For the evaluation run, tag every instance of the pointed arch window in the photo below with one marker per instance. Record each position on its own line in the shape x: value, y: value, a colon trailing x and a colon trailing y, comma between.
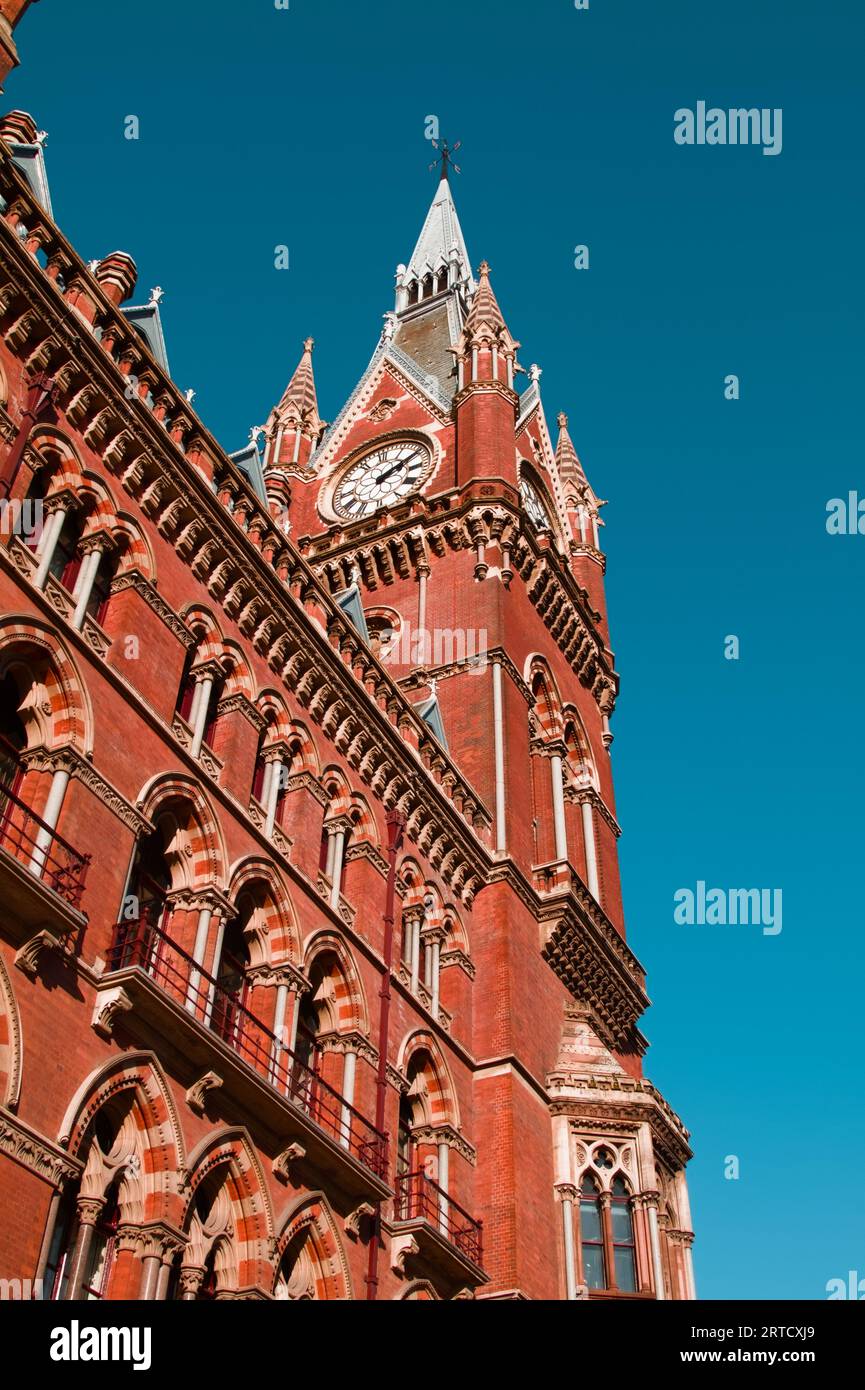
x: 622, y: 1234
x: 592, y: 1234
x: 13, y: 738
x: 227, y: 1015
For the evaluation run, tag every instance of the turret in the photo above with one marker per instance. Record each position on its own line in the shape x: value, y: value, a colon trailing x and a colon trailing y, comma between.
x: 486, y: 402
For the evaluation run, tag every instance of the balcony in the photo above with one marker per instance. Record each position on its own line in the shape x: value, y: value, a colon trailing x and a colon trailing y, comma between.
x: 212, y: 1036
x: 42, y: 876
x: 448, y: 1239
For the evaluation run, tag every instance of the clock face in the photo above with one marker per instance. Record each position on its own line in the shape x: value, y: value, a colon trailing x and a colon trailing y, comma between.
x: 382, y: 479
x: 533, y: 506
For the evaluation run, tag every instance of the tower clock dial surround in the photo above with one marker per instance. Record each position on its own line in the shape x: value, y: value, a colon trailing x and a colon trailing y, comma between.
x: 383, y: 477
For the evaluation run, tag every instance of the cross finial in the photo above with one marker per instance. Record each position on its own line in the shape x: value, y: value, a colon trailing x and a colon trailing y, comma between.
x: 446, y: 156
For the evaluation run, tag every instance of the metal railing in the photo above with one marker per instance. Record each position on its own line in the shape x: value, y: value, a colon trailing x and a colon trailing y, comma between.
x: 418, y: 1198
x: 47, y: 855
x: 143, y: 944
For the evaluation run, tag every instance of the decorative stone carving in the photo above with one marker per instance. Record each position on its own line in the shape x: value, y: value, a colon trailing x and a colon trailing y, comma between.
x: 28, y: 956
x: 196, y: 1096
x: 354, y: 1219
x: 293, y: 1153
x: 109, y: 1006
x: 401, y: 1249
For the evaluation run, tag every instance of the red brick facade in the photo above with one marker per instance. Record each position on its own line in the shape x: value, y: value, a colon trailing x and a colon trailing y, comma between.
x: 234, y: 718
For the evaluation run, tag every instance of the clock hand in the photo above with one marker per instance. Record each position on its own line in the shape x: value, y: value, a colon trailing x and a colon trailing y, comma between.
x: 383, y: 477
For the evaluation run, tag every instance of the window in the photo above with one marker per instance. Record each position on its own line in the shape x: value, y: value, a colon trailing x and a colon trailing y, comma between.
x: 13, y: 739
x: 609, y: 1252
x: 592, y: 1234
x: 227, y: 1016
x: 66, y: 561
x: 186, y: 694
x: 624, y: 1261
x: 100, y: 593
x: 102, y: 1250
x: 211, y: 723
x: 404, y: 1140
x: 260, y: 765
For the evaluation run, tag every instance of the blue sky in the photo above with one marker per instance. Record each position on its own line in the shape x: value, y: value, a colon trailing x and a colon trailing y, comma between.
x: 305, y: 127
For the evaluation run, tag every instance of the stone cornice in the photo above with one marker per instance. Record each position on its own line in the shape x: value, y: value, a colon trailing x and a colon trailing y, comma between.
x: 616, y: 1099
x: 73, y: 762
x: 31, y: 1149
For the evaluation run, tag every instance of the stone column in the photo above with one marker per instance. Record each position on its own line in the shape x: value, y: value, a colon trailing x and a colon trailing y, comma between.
x: 48, y: 541
x: 559, y: 805
x: 89, y: 1209
x: 50, y: 816
x: 587, y: 809
x: 567, y: 1195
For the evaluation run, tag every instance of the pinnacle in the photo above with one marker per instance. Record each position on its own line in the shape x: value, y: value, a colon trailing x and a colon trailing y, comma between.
x: 485, y: 308
x: 568, y: 462
x: 299, y: 402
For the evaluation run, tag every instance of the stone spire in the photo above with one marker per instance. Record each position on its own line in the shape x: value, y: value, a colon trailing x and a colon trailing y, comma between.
x: 295, y: 426
x: 485, y: 318
x: 569, y: 466
x: 440, y: 250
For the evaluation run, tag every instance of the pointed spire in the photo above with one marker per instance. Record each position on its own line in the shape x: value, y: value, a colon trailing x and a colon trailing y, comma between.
x: 485, y: 311
x: 441, y: 244
x: 299, y: 404
x: 567, y: 461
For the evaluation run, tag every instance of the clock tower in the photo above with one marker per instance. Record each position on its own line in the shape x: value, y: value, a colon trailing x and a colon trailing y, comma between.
x: 464, y: 541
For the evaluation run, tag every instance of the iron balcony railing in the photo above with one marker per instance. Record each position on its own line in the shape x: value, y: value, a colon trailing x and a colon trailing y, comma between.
x: 47, y: 855
x: 418, y: 1198
x: 142, y: 944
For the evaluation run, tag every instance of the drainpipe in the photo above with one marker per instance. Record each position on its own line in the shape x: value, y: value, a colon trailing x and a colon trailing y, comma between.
x: 395, y: 832
x: 40, y: 395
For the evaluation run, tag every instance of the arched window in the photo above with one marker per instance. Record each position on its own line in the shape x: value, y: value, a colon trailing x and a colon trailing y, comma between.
x: 186, y: 692
x: 296, y: 1278
x: 260, y: 771
x: 413, y: 292
x: 102, y: 1250
x: 211, y: 721
x: 404, y: 1139
x: 442, y: 282
x: 232, y: 985
x: 592, y: 1234
x: 144, y: 912
x: 66, y: 560
x: 624, y: 1252
x: 13, y: 738
x: 100, y: 592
